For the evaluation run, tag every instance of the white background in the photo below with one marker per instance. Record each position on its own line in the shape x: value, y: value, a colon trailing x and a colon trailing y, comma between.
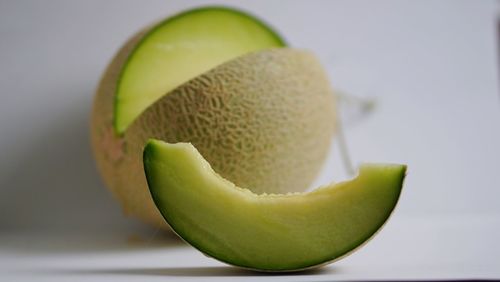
x: 431, y: 67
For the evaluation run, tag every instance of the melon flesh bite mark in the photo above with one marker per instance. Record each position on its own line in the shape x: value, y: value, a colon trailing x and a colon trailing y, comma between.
x: 181, y: 48
x: 286, y: 232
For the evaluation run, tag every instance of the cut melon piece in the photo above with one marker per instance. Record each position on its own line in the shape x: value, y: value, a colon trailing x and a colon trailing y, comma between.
x: 272, y: 232
x: 181, y: 48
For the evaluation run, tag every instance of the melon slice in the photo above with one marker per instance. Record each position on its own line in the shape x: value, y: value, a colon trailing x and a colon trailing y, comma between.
x: 267, y: 232
x: 181, y: 48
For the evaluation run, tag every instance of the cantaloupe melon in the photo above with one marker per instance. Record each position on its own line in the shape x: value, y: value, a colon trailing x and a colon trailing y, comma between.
x: 263, y: 116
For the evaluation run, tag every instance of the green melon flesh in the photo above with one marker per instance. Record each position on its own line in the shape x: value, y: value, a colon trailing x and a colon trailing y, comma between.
x: 286, y: 232
x: 181, y: 48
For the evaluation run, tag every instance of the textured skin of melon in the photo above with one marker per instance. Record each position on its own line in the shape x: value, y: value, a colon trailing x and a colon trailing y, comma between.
x: 262, y: 120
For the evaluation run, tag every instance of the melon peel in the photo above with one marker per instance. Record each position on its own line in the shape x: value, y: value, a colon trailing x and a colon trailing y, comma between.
x: 264, y: 119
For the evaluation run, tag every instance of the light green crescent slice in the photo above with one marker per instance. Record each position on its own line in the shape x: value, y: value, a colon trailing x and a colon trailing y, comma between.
x: 267, y: 232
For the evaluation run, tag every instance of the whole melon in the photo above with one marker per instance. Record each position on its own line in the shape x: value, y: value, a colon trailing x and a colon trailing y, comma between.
x: 263, y: 120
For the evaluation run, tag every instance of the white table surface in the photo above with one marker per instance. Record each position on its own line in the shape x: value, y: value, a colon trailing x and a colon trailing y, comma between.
x: 408, y: 248
x: 430, y: 67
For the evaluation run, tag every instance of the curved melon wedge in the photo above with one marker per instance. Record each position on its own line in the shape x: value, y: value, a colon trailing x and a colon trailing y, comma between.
x: 267, y: 232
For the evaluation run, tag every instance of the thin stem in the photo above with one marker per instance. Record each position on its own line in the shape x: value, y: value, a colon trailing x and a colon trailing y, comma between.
x: 366, y: 106
x: 344, y: 151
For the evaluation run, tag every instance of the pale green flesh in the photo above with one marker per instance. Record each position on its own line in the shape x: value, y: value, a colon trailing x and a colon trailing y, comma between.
x: 182, y: 48
x: 267, y: 232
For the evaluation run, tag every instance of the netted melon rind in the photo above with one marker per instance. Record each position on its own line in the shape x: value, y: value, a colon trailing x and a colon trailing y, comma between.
x: 263, y: 121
